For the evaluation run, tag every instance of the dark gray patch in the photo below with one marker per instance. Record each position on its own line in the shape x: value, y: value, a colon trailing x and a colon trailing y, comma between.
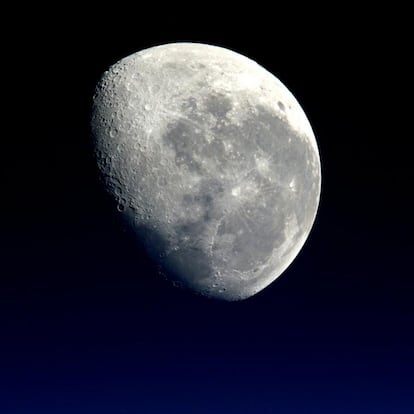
x: 190, y: 229
x: 188, y: 199
x: 281, y: 106
x: 203, y: 85
x: 190, y: 104
x: 218, y: 105
x: 268, y: 131
x: 182, y: 137
x: 211, y: 186
x: 205, y: 198
x: 172, y: 66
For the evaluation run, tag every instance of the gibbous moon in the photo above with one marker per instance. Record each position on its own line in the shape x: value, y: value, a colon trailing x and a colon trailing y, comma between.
x: 211, y: 161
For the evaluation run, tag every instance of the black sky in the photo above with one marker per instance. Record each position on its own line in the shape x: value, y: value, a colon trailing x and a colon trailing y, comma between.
x: 86, y: 324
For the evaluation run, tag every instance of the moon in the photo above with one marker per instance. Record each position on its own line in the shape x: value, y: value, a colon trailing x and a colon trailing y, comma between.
x: 211, y: 161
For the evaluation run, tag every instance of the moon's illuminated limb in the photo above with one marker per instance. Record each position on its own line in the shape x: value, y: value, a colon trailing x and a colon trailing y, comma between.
x: 212, y: 161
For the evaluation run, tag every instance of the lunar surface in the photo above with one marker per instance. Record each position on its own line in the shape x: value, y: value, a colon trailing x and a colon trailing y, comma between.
x: 212, y: 162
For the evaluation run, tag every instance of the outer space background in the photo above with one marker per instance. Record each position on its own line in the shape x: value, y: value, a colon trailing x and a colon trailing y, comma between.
x: 87, y: 326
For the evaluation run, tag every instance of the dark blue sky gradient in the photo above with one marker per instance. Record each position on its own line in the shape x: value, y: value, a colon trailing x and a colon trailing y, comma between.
x: 87, y: 325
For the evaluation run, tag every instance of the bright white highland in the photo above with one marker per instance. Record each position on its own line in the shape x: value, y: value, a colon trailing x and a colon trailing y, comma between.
x: 212, y: 162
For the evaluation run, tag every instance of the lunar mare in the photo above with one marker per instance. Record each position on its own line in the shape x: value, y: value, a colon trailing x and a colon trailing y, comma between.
x: 211, y: 161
